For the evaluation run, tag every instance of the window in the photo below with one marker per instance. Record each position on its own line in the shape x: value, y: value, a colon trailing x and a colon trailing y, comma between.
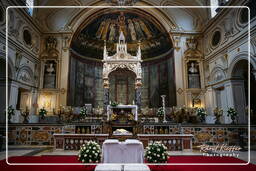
x: 27, y: 37
x: 216, y: 38
x: 214, y: 5
x: 30, y: 3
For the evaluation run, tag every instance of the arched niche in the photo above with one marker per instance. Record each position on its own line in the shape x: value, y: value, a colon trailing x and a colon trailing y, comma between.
x: 25, y: 75
x: 122, y: 86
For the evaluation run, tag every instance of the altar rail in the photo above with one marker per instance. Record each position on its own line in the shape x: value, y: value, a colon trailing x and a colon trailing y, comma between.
x: 42, y: 134
x: 74, y: 141
x: 173, y: 142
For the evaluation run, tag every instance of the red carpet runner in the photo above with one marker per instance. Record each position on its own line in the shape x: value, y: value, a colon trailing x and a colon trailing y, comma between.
x: 173, y: 159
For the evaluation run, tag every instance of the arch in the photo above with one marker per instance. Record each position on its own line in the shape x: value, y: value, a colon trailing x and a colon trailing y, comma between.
x: 25, y: 75
x: 239, y: 57
x: 81, y: 18
x: 11, y: 68
x: 217, y: 74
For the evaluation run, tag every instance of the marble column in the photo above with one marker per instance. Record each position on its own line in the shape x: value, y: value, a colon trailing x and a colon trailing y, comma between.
x: 138, y: 97
x: 33, y: 118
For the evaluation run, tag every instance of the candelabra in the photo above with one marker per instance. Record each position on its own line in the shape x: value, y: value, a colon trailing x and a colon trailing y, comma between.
x: 163, y: 104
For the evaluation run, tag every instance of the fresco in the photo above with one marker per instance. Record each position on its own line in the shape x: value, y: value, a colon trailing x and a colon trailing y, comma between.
x: 89, y: 42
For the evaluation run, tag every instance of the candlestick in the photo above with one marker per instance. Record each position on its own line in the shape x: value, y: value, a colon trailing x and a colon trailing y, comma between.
x: 163, y: 103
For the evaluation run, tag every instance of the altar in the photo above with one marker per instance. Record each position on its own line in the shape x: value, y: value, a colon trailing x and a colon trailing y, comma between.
x: 129, y: 151
x: 122, y: 109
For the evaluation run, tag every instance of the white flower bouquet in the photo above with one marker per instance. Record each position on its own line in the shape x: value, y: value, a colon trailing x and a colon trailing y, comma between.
x: 156, y: 153
x: 232, y: 113
x: 160, y: 112
x: 201, y: 113
x: 83, y: 111
x: 90, y: 152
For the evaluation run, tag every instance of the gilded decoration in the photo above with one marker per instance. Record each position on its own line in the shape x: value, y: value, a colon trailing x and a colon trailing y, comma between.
x: 203, y: 137
x: 40, y: 135
x: 23, y: 136
x: 136, y: 28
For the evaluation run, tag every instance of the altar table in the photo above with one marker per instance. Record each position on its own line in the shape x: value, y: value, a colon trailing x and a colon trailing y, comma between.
x: 129, y: 151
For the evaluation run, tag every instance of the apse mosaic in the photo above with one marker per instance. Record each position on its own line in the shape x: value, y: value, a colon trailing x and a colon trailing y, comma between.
x: 137, y: 29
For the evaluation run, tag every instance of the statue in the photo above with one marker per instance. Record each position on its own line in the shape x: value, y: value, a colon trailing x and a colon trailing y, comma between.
x: 50, y: 69
x: 193, y: 69
x: 193, y: 76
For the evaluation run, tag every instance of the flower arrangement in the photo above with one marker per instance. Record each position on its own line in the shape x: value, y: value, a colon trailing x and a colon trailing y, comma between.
x: 217, y: 113
x: 232, y: 113
x: 160, y: 112
x: 42, y: 113
x: 90, y: 152
x: 10, y: 113
x: 113, y: 104
x: 201, y: 113
x: 156, y: 153
x: 83, y: 111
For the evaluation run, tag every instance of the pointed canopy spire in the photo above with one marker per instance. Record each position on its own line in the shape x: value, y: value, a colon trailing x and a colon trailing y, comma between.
x: 121, y: 37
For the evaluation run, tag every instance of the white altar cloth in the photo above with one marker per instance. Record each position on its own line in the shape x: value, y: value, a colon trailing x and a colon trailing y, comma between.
x: 130, y: 151
x: 119, y: 167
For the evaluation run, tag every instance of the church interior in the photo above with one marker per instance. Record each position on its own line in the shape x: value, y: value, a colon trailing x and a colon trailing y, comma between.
x: 174, y: 74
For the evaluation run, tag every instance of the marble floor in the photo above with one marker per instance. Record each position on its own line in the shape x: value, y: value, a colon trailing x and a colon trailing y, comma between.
x: 45, y: 150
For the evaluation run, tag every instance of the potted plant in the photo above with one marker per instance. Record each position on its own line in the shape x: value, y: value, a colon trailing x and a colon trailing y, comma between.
x: 10, y: 113
x: 232, y: 113
x: 160, y: 113
x: 42, y: 113
x: 156, y: 153
x: 201, y: 113
x: 90, y: 153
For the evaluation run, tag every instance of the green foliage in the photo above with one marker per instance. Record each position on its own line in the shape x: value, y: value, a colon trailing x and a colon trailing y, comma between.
x: 156, y: 153
x: 10, y: 112
x: 114, y: 104
x: 232, y: 113
x: 83, y: 111
x: 90, y: 153
x: 160, y: 112
x: 201, y: 113
x: 42, y: 113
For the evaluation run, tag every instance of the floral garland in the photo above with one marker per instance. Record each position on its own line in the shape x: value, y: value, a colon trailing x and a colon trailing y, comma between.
x: 160, y: 112
x: 83, y: 111
x: 90, y: 153
x: 232, y: 113
x: 201, y: 113
x: 156, y: 153
x: 42, y: 113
